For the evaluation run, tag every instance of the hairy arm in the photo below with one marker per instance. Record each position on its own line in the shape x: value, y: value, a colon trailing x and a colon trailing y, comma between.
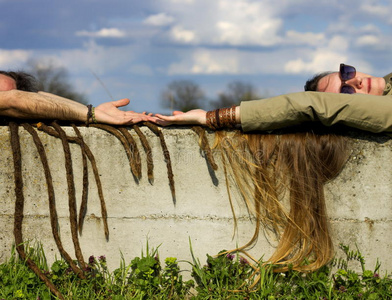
x: 27, y: 105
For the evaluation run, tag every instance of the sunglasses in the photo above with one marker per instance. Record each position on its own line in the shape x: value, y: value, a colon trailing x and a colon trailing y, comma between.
x: 346, y: 73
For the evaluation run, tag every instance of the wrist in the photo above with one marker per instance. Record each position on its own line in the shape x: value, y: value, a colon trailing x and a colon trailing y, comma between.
x: 237, y: 115
x: 221, y: 118
x: 90, y: 117
x: 203, y: 119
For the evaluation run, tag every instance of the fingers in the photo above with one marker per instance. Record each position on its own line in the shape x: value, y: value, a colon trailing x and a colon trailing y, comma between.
x: 167, y: 118
x: 136, y: 118
x: 161, y: 122
x: 161, y: 116
x: 142, y: 117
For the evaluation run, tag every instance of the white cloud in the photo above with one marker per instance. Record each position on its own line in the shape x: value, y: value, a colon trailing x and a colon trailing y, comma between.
x: 260, y: 23
x: 182, y: 35
x: 206, y: 61
x: 374, y: 42
x: 229, y: 61
x: 161, y: 19
x: 377, y: 10
x: 13, y: 58
x: 224, y: 22
x: 246, y: 23
x: 263, y: 34
x: 369, y: 28
x: 322, y: 59
x: 103, y: 33
x: 368, y: 40
x: 339, y: 43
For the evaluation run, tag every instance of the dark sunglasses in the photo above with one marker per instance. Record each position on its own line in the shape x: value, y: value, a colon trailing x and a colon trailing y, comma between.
x: 347, y: 72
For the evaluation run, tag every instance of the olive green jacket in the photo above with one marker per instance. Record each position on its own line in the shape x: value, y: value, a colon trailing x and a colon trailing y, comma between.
x: 362, y: 111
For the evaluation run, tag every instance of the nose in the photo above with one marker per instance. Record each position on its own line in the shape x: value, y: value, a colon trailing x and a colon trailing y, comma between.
x: 355, y: 82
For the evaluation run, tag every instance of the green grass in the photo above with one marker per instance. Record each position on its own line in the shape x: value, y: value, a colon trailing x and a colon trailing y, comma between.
x: 227, y: 276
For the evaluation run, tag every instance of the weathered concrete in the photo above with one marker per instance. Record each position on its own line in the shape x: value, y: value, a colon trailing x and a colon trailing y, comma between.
x: 358, y: 200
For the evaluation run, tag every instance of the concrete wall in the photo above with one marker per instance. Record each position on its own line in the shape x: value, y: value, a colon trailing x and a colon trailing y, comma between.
x: 359, y: 200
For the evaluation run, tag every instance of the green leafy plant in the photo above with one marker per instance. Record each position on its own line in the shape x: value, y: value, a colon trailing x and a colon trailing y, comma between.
x: 221, y: 275
x: 17, y: 281
x: 225, y: 276
x: 148, y: 279
x: 368, y: 284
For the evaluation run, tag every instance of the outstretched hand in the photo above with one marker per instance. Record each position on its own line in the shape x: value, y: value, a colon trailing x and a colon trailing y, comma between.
x: 109, y: 113
x: 192, y: 117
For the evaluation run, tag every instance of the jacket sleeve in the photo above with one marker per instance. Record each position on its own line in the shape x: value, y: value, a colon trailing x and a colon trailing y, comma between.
x: 365, y: 112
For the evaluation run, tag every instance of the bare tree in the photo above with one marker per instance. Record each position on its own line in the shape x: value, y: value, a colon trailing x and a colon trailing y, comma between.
x: 237, y: 91
x: 54, y: 79
x: 182, y: 95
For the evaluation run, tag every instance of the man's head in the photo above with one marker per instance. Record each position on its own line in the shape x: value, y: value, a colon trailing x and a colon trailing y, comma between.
x: 343, y: 81
x: 17, y: 80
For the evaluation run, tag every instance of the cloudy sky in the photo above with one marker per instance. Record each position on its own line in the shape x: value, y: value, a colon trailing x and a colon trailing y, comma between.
x: 137, y: 47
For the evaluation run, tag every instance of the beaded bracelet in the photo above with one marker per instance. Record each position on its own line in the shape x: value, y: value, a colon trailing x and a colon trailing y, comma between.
x: 93, y: 116
x: 89, y: 114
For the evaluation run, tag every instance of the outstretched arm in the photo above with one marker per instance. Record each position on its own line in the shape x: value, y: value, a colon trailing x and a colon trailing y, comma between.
x: 27, y: 105
x: 365, y: 112
x: 362, y: 111
x: 192, y: 117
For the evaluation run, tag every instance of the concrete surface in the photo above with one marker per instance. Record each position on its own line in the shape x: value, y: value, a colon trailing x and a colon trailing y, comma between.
x: 359, y: 200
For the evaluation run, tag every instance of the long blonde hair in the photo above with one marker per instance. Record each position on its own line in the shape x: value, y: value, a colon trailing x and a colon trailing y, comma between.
x: 267, y: 168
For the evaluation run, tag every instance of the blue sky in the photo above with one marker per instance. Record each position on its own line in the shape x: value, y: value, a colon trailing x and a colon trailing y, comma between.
x: 137, y: 47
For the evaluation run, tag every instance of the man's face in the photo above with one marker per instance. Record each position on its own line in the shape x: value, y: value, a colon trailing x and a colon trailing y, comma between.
x: 7, y: 83
x: 362, y: 83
